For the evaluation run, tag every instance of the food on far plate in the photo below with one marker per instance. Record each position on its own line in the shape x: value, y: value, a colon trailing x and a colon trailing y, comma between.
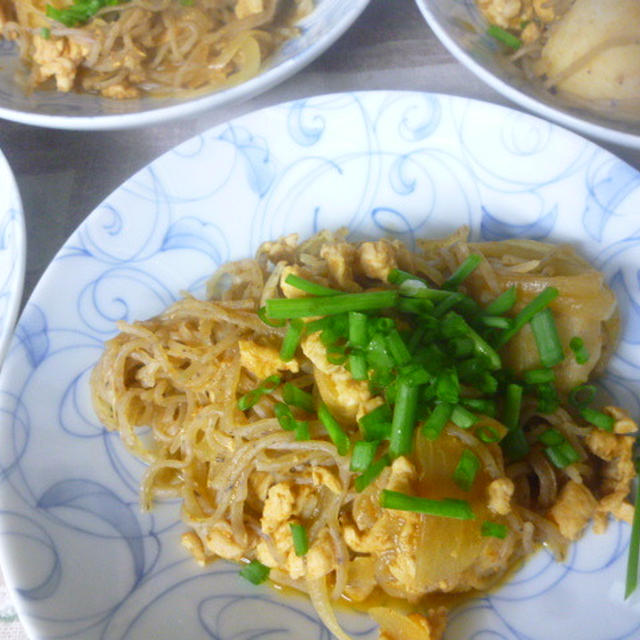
x: 128, y: 48
x: 376, y: 426
x: 589, y: 49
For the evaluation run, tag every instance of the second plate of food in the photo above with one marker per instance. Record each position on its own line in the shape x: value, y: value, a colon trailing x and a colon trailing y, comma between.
x: 251, y: 440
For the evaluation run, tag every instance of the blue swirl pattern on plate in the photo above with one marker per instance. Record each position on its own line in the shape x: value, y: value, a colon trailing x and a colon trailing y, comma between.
x: 82, y: 559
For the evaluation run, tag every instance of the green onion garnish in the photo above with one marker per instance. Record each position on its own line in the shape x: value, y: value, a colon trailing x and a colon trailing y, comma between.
x: 503, y: 36
x: 562, y: 455
x: 481, y: 347
x: 445, y: 508
x: 580, y: 352
x: 448, y: 386
x: 358, y: 329
x: 403, y: 422
x: 291, y: 339
x: 485, y: 406
x: 302, y: 431
x: 268, y: 385
x: 598, y: 419
x: 551, y: 437
x: 463, y: 271
x: 376, y: 425
x: 335, y: 431
x: 284, y: 416
x: 494, y: 530
x: 79, y: 12
x: 300, y: 539
x: 547, y: 339
x: 514, y: 445
x: 437, y: 421
x: 487, y: 433
x: 371, y: 473
x: 358, y: 366
x: 255, y: 572
x: 496, y: 322
x: 466, y: 470
x: 262, y: 314
x: 397, y: 347
x: 398, y: 276
x: 307, y: 286
x: 634, y: 543
x: 297, y: 397
x: 462, y: 417
x: 540, y: 302
x: 582, y: 395
x: 45, y: 33
x: 503, y: 303
x: 363, y: 453
x: 330, y: 305
x: 539, y: 376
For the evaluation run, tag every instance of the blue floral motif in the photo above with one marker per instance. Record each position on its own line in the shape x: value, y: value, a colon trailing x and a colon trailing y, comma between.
x: 80, y: 557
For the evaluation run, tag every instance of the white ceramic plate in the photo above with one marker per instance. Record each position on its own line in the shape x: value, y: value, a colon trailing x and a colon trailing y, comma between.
x: 13, y: 251
x: 81, y: 558
x: 463, y: 30
x: 317, y: 31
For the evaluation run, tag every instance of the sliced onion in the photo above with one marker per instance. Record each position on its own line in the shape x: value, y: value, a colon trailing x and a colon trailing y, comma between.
x: 319, y: 595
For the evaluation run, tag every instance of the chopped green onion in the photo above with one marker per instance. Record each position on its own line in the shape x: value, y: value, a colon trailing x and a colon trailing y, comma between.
x: 582, y: 395
x: 45, y: 33
x: 284, y: 416
x: 463, y: 417
x: 461, y: 347
x: 321, y: 324
x: 466, y: 470
x: 548, y: 399
x: 485, y: 406
x: 378, y: 355
x: 397, y: 348
x: 551, y: 437
x: 580, y: 352
x: 503, y: 36
x: 436, y: 422
x: 494, y: 530
x: 496, y: 322
x: 503, y: 303
x: 358, y: 366
x: 415, y: 375
x: 481, y: 346
x: 255, y: 572
x: 562, y: 455
x: 302, y: 431
x: 330, y: 305
x: 634, y: 545
x: 362, y: 455
x: 358, y: 329
x: 540, y: 302
x: 300, y: 539
x: 547, y: 339
x: 514, y: 445
x: 463, y: 272
x: 376, y: 425
x: 398, y: 276
x: 598, y: 419
x: 371, y: 473
x: 268, y: 385
x: 262, y: 314
x: 335, y: 431
x: 403, y: 421
x: 291, y: 339
x: 307, y: 286
x: 79, y: 12
x: 448, y: 386
x: 487, y: 433
x: 539, y: 376
x: 445, y: 508
x: 448, y: 303
x: 297, y: 397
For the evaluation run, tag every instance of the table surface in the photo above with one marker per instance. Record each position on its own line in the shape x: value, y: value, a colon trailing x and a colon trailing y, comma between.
x: 64, y: 175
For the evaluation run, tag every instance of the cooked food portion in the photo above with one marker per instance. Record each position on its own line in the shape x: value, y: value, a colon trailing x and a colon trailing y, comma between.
x: 124, y: 49
x: 376, y: 426
x: 584, y: 48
